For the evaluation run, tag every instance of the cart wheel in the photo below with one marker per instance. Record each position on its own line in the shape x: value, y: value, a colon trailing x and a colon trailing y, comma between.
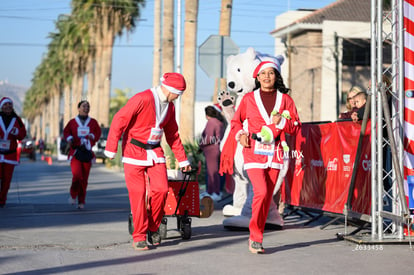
x: 179, y: 223
x: 163, y: 228
x: 130, y: 225
x: 186, y: 229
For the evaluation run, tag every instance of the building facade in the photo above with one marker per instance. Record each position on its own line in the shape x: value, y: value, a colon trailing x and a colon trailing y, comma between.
x: 327, y: 51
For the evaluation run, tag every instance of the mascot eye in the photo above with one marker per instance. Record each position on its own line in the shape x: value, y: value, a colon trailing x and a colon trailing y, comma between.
x: 238, y: 69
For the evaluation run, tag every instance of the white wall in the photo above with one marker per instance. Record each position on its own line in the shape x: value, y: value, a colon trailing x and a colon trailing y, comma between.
x: 280, y: 48
x: 200, y: 116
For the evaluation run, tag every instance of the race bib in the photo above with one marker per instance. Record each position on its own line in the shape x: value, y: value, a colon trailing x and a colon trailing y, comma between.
x: 4, y: 144
x: 83, y: 131
x: 264, y: 149
x: 156, y: 135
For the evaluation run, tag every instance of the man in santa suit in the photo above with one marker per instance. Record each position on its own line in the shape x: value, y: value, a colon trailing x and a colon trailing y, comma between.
x: 141, y: 123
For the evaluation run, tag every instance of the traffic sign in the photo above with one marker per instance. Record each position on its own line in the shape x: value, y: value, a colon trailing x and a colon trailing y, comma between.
x: 212, y: 55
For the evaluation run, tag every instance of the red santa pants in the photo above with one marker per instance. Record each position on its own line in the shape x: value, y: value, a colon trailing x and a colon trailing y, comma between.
x: 263, y: 182
x: 80, y: 176
x: 146, y: 215
x: 6, y: 174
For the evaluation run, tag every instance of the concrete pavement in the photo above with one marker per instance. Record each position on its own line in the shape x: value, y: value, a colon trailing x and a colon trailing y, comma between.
x: 40, y: 233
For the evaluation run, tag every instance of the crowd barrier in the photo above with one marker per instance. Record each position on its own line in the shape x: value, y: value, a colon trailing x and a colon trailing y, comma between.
x: 322, y: 157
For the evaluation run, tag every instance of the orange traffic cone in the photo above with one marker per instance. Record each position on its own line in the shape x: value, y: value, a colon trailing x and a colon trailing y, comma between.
x: 49, y: 160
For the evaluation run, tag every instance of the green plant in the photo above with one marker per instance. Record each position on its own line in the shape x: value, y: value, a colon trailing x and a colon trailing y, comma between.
x: 194, y: 155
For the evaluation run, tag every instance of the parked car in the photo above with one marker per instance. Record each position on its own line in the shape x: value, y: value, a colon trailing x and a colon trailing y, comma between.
x: 28, y: 148
x: 99, y: 147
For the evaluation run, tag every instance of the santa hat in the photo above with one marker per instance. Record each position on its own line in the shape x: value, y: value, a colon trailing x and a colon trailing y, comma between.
x: 173, y: 82
x: 218, y: 107
x: 264, y: 65
x: 4, y: 100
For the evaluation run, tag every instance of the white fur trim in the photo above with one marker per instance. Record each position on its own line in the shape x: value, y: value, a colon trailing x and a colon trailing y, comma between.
x: 109, y: 154
x: 268, y: 65
x: 172, y: 89
x: 184, y: 163
x: 239, y: 133
x: 5, y: 100
x: 139, y: 162
x: 281, y: 124
x: 273, y: 165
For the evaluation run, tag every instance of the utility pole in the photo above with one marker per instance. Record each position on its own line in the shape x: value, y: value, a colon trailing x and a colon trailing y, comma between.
x: 224, y: 29
x: 168, y: 37
x: 156, y: 68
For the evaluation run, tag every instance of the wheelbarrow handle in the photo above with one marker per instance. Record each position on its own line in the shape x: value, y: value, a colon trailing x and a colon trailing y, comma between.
x: 191, y: 172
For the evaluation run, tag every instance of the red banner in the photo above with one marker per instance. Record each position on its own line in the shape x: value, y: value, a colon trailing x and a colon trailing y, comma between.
x: 322, y: 157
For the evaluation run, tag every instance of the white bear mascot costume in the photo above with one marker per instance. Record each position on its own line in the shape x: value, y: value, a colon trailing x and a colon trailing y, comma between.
x: 240, y: 81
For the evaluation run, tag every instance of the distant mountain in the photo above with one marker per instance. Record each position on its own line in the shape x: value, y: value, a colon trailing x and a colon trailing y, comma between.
x: 16, y: 93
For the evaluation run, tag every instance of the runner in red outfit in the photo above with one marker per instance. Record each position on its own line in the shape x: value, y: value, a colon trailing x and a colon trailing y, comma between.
x: 263, y: 160
x: 81, y: 133
x: 11, y: 130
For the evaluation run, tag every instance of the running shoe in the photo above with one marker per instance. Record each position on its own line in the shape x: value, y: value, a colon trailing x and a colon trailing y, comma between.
x: 154, y: 238
x: 142, y: 245
x: 71, y: 201
x: 256, y: 247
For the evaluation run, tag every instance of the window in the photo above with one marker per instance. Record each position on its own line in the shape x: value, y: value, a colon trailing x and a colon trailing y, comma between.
x: 357, y: 52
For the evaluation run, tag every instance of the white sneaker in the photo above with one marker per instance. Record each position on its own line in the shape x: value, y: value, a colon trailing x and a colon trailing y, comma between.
x: 71, y: 201
x: 216, y: 197
x: 81, y: 206
x: 204, y: 194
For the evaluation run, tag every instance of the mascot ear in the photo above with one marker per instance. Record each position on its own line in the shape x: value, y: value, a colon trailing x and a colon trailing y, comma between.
x: 250, y: 53
x: 280, y: 59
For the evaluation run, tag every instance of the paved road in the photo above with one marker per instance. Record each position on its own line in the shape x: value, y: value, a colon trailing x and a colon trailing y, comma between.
x: 41, y: 234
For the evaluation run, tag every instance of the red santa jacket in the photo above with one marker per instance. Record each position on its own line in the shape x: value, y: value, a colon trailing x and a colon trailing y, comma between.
x: 252, y: 110
x: 87, y: 133
x: 8, y: 139
x: 138, y: 120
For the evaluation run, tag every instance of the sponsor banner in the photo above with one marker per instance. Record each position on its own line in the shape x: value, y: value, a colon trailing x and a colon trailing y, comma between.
x: 322, y: 160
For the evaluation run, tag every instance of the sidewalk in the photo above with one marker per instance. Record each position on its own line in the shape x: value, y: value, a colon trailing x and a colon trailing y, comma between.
x: 40, y: 233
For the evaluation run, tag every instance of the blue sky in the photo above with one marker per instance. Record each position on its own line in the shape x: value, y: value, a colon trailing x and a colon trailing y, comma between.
x: 25, y: 25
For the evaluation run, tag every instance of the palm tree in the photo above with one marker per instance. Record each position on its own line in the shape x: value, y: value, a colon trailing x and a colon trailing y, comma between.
x: 105, y: 19
x: 70, y: 56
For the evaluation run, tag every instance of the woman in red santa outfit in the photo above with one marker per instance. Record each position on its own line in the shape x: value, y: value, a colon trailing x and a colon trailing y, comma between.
x: 81, y: 133
x: 141, y: 123
x: 11, y: 130
x: 263, y: 160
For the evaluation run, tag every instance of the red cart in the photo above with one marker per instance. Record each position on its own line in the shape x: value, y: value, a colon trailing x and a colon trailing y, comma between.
x: 183, y: 202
